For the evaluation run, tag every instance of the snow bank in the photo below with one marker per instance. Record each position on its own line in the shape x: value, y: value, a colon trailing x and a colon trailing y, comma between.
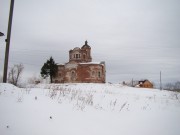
x: 7, y: 86
x: 114, y: 97
x: 8, y: 89
x: 88, y: 109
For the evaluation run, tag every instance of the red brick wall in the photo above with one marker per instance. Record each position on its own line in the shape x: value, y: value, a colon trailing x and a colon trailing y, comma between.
x: 83, y: 73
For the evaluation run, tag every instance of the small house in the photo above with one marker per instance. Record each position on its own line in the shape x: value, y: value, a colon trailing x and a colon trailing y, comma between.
x: 145, y: 84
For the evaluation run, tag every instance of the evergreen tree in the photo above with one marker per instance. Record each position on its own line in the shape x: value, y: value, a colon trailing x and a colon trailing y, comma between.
x: 49, y: 69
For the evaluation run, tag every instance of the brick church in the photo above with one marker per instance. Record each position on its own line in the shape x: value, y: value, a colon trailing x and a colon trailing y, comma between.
x: 80, y: 68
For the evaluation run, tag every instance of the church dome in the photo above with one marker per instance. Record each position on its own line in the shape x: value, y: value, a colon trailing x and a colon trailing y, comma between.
x: 76, y: 49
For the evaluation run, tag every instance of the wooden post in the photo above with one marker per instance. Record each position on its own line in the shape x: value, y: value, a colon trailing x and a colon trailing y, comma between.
x: 160, y: 82
x: 8, y: 42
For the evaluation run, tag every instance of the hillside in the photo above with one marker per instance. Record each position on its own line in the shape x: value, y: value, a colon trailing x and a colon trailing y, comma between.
x: 88, y: 109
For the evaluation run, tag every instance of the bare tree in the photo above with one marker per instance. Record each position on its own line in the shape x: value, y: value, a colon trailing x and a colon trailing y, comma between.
x: 177, y: 86
x: 15, y: 73
x: 34, y: 79
x: 169, y: 86
x: 173, y: 86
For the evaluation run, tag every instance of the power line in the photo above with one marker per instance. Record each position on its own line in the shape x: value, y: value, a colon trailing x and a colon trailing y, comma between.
x: 24, y: 63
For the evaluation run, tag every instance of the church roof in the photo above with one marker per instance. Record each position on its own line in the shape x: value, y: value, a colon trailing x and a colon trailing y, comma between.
x: 93, y: 63
x: 76, y: 48
x: 85, y: 45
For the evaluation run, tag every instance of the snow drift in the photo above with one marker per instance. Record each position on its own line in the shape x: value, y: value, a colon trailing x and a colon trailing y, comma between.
x: 98, y: 109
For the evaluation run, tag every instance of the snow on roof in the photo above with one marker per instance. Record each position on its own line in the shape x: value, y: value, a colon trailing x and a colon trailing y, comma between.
x: 69, y: 65
x: 143, y: 81
x: 95, y: 63
x: 60, y: 64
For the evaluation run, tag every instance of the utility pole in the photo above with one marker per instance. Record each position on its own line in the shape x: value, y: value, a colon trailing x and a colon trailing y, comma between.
x: 132, y: 83
x: 8, y: 42
x: 160, y: 82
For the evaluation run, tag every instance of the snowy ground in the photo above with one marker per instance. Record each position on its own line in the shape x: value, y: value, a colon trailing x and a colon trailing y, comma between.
x: 88, y: 109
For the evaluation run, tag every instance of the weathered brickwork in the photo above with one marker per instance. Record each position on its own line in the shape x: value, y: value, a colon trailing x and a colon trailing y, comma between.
x: 80, y: 68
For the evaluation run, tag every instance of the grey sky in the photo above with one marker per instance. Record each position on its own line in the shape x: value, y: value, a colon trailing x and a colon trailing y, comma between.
x: 136, y: 38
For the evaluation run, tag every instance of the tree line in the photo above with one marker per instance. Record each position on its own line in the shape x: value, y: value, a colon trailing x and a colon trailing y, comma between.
x: 50, y: 68
x: 173, y: 86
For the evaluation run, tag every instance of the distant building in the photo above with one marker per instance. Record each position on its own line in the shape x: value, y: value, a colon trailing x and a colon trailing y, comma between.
x: 144, y: 84
x: 80, y: 68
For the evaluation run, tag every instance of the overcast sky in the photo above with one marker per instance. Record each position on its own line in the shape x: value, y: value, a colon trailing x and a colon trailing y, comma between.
x: 136, y: 38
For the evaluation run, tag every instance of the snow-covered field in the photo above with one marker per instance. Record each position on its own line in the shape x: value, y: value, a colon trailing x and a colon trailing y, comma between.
x: 88, y: 109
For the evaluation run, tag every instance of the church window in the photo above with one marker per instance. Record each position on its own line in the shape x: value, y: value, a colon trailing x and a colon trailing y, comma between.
x: 76, y: 55
x: 73, y: 75
x: 93, y: 73
x: 99, y: 74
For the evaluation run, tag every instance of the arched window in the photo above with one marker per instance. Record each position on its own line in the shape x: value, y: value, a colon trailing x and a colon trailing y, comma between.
x: 84, y: 56
x: 93, y: 73
x: 76, y: 56
x: 73, y: 75
x: 99, y: 74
